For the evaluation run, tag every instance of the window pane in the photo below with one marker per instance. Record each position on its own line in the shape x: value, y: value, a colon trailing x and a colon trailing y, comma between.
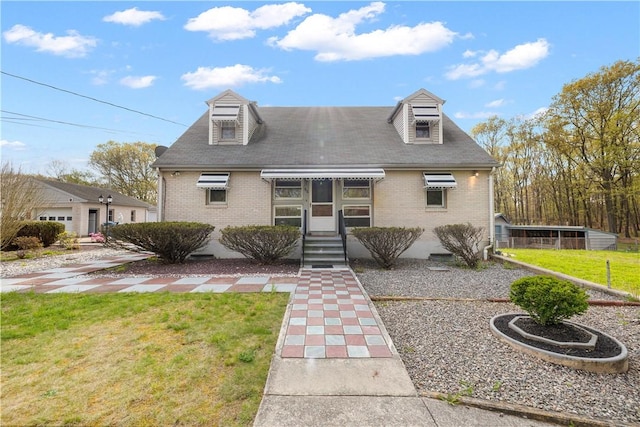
x: 355, y: 193
x: 356, y: 183
x: 288, y: 193
x: 356, y: 211
x: 228, y: 132
x: 357, y: 222
x: 422, y: 130
x: 295, y: 222
x: 217, y: 196
x: 288, y: 211
x: 288, y: 183
x: 435, y: 198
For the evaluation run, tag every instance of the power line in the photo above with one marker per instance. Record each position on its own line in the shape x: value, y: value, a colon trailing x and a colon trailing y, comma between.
x: 91, y: 98
x: 29, y: 117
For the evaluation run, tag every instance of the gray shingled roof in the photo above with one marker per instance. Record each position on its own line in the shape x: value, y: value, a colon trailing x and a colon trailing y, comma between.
x: 324, y: 136
x: 91, y: 194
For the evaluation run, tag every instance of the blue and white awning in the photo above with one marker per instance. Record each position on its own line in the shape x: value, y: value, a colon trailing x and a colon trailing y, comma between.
x: 439, y: 181
x: 213, y: 181
x: 326, y: 173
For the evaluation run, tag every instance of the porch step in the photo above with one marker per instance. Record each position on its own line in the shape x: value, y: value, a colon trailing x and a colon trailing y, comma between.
x: 323, y: 251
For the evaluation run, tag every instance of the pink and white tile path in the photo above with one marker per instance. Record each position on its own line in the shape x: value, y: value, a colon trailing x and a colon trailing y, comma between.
x: 331, y: 317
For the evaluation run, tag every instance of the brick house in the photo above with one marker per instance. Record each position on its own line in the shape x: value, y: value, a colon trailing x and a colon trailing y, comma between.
x: 405, y: 165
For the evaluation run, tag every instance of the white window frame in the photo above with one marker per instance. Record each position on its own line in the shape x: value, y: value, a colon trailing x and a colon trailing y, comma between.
x: 276, y: 216
x: 276, y: 186
x: 346, y: 187
x: 346, y: 217
x: 216, y: 202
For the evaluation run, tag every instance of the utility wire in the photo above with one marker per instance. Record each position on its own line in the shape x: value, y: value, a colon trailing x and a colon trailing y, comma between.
x: 91, y: 98
x: 29, y: 117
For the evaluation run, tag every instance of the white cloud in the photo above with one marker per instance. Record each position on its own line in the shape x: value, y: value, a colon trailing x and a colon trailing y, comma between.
x: 521, y: 57
x: 537, y: 113
x: 496, y: 103
x: 100, y: 77
x: 234, y: 23
x: 13, y: 145
x: 476, y: 115
x: 225, y: 77
x: 134, y: 17
x: 73, y: 45
x: 335, y: 39
x: 135, y: 82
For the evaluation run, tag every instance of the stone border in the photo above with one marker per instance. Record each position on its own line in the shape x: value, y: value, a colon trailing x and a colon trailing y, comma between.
x: 610, y: 365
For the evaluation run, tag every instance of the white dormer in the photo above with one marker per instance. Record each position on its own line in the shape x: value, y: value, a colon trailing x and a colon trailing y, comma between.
x: 232, y: 119
x: 418, y: 118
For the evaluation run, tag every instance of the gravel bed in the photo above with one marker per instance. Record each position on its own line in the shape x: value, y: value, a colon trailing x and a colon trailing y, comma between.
x: 447, y: 345
x: 32, y: 265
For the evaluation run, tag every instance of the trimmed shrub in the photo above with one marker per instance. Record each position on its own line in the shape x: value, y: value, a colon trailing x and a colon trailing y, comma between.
x: 172, y: 242
x: 548, y: 300
x: 263, y: 243
x: 462, y: 240
x: 26, y: 243
x: 46, y: 231
x: 69, y: 241
x: 386, y: 244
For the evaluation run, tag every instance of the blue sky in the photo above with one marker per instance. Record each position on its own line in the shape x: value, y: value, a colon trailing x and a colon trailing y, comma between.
x: 78, y: 74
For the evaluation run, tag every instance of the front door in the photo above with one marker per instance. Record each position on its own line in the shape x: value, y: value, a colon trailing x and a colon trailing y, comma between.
x: 322, y: 206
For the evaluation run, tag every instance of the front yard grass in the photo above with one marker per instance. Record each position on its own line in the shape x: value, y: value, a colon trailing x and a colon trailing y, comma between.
x: 588, y: 265
x: 136, y: 359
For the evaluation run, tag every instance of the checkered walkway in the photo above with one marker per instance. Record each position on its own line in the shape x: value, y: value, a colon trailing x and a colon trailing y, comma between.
x: 330, y: 315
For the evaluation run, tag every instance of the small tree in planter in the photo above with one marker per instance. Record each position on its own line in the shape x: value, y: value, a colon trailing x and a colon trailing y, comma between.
x: 548, y: 300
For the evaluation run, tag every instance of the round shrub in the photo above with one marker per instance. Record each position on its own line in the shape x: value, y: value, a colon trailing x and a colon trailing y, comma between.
x: 548, y: 300
x: 265, y: 244
x: 46, y: 231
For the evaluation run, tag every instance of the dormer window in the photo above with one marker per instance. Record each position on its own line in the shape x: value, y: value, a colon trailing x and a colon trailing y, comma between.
x: 227, y: 131
x: 423, y: 130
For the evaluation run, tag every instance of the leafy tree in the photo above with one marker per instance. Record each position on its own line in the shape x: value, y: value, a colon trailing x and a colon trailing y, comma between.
x: 20, y: 196
x: 127, y: 168
x: 59, y: 170
x: 599, y: 116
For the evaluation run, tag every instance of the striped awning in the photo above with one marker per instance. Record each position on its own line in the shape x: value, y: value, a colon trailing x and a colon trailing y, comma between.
x: 439, y: 181
x: 330, y: 173
x: 215, y: 181
x: 426, y: 113
x: 225, y: 112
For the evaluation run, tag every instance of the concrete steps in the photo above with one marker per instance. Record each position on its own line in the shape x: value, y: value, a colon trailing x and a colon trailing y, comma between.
x: 323, y: 251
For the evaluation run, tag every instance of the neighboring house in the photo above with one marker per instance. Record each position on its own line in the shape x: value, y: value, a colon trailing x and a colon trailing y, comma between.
x: 551, y: 236
x: 408, y: 166
x: 77, y: 207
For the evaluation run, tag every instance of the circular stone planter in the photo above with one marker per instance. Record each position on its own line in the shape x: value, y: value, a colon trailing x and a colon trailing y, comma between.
x: 592, y: 351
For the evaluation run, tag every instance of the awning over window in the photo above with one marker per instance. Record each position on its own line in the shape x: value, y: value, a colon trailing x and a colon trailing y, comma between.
x: 225, y: 112
x: 214, y: 181
x: 439, y: 181
x: 331, y: 173
x: 426, y: 113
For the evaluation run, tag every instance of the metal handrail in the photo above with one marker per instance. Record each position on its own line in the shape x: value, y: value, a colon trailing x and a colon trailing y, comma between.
x: 343, y: 234
x: 304, y: 232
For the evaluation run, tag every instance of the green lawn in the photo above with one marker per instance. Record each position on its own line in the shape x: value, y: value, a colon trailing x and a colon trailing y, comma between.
x: 136, y: 359
x: 587, y: 265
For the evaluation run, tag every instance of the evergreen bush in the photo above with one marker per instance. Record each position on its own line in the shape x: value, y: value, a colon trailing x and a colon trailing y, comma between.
x: 172, y: 242
x: 46, y: 231
x: 265, y: 244
x: 386, y: 244
x: 548, y: 300
x: 25, y: 244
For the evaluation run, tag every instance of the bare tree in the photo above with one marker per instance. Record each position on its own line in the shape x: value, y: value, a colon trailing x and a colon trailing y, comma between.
x: 20, y: 196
